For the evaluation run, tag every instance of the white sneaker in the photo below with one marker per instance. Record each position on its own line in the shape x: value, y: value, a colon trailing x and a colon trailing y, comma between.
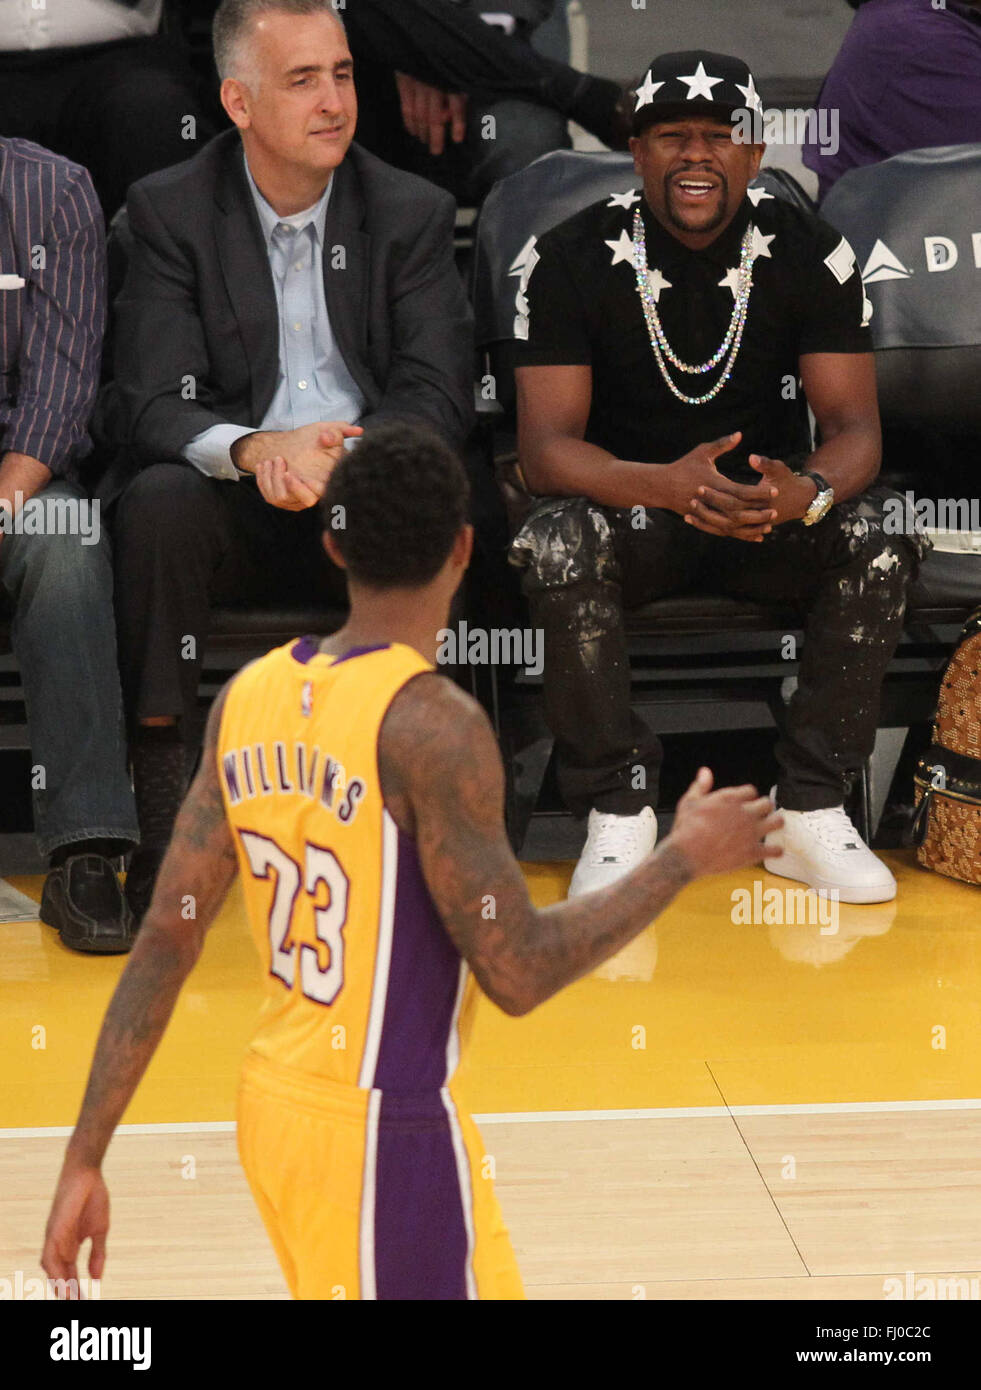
x: 614, y: 845
x: 824, y: 850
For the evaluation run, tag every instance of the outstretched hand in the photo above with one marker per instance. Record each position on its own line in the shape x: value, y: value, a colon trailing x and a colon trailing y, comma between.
x: 721, y: 830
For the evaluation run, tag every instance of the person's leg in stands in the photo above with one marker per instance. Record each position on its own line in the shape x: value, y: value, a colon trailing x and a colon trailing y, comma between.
x: 65, y: 642
x: 122, y: 110
x: 851, y: 577
x: 170, y: 534
x: 128, y: 111
x: 29, y: 99
x: 183, y: 543
x: 583, y: 565
x: 455, y: 51
x: 507, y: 135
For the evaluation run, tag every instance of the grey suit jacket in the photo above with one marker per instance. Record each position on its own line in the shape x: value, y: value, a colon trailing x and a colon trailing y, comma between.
x: 196, y: 332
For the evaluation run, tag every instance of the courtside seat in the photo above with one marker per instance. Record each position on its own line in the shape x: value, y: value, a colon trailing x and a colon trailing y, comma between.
x: 913, y: 221
x: 273, y: 625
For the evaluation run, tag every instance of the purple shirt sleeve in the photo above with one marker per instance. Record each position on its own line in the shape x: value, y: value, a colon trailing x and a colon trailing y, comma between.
x: 907, y: 77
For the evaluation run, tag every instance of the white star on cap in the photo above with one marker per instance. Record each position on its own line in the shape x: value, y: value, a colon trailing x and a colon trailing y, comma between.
x: 622, y: 248
x: 761, y: 244
x: 756, y: 195
x: 624, y: 200
x: 700, y: 84
x: 730, y: 280
x: 645, y: 92
x: 657, y: 283
x: 751, y: 96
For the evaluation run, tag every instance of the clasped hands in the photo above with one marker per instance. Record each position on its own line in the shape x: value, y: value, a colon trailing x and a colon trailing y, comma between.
x: 292, y: 467
x: 713, y: 503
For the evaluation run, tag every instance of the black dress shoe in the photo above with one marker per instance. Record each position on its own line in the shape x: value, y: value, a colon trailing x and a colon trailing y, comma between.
x: 141, y: 879
x: 83, y: 900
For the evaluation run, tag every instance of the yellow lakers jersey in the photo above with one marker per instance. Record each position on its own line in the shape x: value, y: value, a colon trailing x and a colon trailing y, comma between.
x: 363, y: 985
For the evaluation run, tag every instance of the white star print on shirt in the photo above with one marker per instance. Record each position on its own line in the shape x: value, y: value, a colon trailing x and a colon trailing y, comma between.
x: 700, y: 84
x: 522, y: 265
x: 760, y: 244
x: 645, y: 92
x: 756, y: 195
x: 624, y: 200
x: 657, y: 283
x: 622, y: 248
x: 730, y: 280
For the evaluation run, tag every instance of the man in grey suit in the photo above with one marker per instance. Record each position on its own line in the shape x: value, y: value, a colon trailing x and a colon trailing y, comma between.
x: 285, y: 291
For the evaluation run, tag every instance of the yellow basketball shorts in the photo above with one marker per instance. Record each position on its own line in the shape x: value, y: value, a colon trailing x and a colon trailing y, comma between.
x: 371, y: 1195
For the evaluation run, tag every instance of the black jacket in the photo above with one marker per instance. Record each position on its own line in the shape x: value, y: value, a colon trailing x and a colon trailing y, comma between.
x: 196, y: 333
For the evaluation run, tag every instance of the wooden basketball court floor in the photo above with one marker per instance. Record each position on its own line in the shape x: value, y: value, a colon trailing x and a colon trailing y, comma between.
x: 770, y: 1111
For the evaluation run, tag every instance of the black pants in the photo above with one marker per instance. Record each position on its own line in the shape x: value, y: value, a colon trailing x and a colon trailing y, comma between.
x: 184, y: 542
x: 456, y: 51
x: 584, y: 564
x: 120, y: 109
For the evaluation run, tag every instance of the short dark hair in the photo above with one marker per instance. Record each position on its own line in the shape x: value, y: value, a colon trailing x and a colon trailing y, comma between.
x: 395, y: 504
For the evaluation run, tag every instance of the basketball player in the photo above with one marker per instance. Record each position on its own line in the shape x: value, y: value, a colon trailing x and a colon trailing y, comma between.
x: 359, y: 795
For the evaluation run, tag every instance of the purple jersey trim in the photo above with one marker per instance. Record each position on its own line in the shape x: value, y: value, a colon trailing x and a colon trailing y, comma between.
x: 303, y: 649
x: 423, y: 980
x: 362, y: 651
x: 421, y: 1246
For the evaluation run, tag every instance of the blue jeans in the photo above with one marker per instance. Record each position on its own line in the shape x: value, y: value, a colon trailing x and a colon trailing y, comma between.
x: 65, y: 641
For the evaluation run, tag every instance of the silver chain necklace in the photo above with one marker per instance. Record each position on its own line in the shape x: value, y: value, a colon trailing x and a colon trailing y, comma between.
x: 662, y: 348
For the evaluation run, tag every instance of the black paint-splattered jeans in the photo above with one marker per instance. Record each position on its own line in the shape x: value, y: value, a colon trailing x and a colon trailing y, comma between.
x: 584, y: 564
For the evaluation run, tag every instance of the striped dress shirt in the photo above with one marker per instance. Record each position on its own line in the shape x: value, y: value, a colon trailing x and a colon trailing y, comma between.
x: 52, y: 305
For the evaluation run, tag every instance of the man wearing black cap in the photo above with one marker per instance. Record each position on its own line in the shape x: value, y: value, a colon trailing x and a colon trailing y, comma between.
x: 687, y: 325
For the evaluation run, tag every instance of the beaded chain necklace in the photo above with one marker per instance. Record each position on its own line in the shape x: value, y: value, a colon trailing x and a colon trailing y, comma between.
x: 659, y: 342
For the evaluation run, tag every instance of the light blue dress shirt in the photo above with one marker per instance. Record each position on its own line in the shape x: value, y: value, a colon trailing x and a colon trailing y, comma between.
x: 314, y: 382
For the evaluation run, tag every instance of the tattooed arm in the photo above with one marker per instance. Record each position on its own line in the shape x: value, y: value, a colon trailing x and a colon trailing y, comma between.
x: 200, y: 865
x: 443, y: 783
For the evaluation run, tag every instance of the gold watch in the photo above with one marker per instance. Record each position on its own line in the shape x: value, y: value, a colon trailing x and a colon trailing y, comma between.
x: 822, y: 503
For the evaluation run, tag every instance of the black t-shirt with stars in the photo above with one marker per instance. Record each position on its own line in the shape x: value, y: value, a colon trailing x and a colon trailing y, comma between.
x: 583, y: 307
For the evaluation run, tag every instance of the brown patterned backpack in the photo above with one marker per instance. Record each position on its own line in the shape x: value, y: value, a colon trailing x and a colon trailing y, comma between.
x: 947, y: 826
